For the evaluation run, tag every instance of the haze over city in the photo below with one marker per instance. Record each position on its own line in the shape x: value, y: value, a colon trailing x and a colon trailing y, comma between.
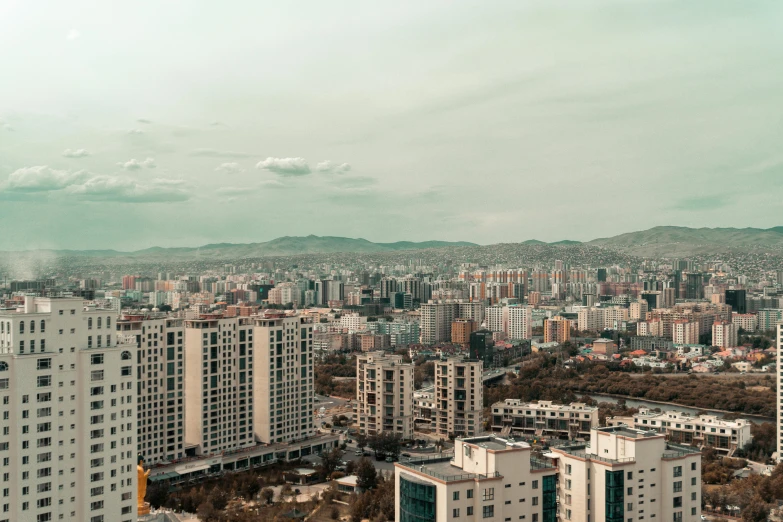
x: 391, y: 262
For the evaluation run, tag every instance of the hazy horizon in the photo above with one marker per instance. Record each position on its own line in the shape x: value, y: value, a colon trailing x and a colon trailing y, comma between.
x: 127, y: 126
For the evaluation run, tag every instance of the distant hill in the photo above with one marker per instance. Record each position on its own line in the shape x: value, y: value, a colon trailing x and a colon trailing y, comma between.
x: 564, y: 242
x: 683, y: 241
x: 282, y: 246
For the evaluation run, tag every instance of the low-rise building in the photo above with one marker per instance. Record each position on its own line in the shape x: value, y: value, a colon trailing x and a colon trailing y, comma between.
x: 705, y: 430
x: 567, y: 421
x: 488, y: 478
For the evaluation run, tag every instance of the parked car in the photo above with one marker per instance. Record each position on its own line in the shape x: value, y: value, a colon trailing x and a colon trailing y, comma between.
x: 406, y: 454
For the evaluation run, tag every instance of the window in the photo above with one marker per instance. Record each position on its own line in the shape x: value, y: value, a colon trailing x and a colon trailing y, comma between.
x: 678, y: 486
x: 455, y: 512
x: 488, y: 511
x: 43, y: 326
x: 44, y: 381
x: 693, y: 466
x: 470, y: 493
x: 455, y: 496
x: 535, y: 501
x: 534, y: 484
x: 630, y: 475
x: 677, y: 502
x: 678, y: 471
x: 96, y: 358
x: 470, y: 511
x: 44, y: 364
x: 568, y: 469
x: 489, y: 494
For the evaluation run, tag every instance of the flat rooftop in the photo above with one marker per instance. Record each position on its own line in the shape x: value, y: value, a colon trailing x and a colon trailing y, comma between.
x: 625, y: 431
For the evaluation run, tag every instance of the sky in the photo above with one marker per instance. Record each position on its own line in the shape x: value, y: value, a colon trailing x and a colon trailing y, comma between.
x: 128, y: 125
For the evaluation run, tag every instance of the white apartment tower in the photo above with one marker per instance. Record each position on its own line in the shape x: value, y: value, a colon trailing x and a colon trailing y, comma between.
x: 520, y: 322
x: 384, y: 394
x: 628, y: 475
x: 724, y: 334
x: 283, y: 367
x: 458, y: 398
x: 219, y: 384
x: 67, y: 386
x: 487, y: 479
x: 160, y: 356
x: 779, y: 369
x: 437, y: 316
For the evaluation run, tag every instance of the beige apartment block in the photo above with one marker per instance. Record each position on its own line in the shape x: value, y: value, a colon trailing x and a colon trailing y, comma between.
x: 488, y: 478
x: 458, y: 398
x: 628, y: 475
x: 384, y: 394
x: 544, y: 418
x: 67, y: 386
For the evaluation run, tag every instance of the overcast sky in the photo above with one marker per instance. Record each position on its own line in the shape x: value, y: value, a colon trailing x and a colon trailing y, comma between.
x: 177, y: 123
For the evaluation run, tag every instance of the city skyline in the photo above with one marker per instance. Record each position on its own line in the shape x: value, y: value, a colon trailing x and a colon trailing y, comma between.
x: 118, y: 130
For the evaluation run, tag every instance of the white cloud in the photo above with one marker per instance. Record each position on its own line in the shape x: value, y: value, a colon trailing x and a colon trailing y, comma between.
x: 232, y: 191
x: 230, y: 168
x: 126, y: 190
x: 76, y: 153
x: 7, y: 126
x: 271, y: 183
x: 134, y: 164
x: 91, y: 187
x: 330, y: 166
x: 285, y: 166
x: 135, y: 131
x: 144, y: 120
x: 42, y: 179
x: 73, y: 34
x: 213, y: 153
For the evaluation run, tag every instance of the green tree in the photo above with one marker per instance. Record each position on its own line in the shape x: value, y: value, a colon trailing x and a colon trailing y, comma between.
x: 366, y: 475
x: 329, y: 461
x: 158, y: 494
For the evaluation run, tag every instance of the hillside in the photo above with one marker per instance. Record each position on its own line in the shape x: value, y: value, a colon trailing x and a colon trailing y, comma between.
x: 282, y: 246
x: 683, y: 241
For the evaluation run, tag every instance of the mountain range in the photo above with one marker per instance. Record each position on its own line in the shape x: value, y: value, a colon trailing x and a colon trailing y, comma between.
x: 282, y: 246
x: 664, y: 241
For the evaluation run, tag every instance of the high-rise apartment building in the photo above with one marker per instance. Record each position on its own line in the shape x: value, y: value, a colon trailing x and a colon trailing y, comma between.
x: 496, y: 318
x: 487, y: 478
x: 685, y: 332
x: 282, y: 369
x: 724, y: 334
x: 219, y: 384
x: 779, y: 370
x: 459, y: 398
x: 437, y: 317
x: 557, y: 329
x: 628, y: 475
x: 520, y: 322
x: 461, y: 330
x: 250, y: 380
x: 160, y: 398
x: 638, y: 310
x: 67, y: 387
x: 384, y: 394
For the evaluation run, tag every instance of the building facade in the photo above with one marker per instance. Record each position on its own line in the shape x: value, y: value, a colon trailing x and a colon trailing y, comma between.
x: 488, y: 478
x: 160, y: 356
x: 628, y: 475
x: 458, y: 398
x: 544, y: 418
x: 67, y: 385
x: 384, y: 395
